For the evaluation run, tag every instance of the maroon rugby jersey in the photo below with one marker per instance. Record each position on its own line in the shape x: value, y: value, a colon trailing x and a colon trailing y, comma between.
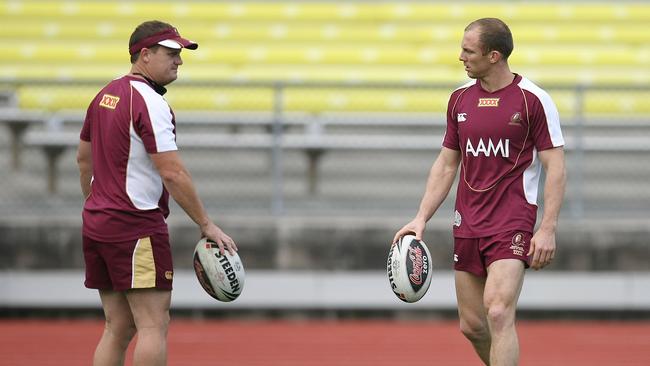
x: 125, y: 122
x: 499, y: 135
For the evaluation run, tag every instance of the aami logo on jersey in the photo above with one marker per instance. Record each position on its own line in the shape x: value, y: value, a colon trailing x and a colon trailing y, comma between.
x: 488, y: 102
x: 109, y: 101
x: 500, y: 147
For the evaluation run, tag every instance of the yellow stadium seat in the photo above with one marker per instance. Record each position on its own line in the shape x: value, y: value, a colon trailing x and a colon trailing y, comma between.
x: 62, y: 72
x: 53, y: 97
x: 352, y: 11
x: 87, y: 10
x: 365, y: 100
x: 385, y: 54
x: 347, y: 42
x: 329, y: 99
x: 61, y: 29
x: 577, y: 35
x: 217, y: 98
x: 572, y: 55
x: 545, y: 75
x: 326, y: 99
x: 565, y: 101
x: 602, y: 103
x: 67, y: 51
x: 581, y: 75
x: 506, y: 10
x: 620, y: 103
x: 246, y: 73
x: 287, y: 31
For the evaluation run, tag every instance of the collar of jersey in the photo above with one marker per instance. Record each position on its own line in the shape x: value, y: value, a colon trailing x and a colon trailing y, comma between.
x: 154, y: 85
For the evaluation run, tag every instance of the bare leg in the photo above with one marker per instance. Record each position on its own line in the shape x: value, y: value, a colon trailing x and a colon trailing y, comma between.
x: 118, y: 331
x: 150, y: 308
x: 472, y: 313
x: 502, y: 288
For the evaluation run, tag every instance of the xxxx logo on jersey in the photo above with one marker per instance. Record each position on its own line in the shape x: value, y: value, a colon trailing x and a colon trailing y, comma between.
x: 109, y: 101
x: 488, y: 102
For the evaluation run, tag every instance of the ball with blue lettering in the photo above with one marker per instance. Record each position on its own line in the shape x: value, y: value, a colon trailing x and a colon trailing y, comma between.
x: 409, y: 268
x: 221, y: 276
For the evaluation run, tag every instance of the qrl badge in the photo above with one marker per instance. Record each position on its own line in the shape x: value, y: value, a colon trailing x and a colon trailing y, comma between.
x: 518, y: 244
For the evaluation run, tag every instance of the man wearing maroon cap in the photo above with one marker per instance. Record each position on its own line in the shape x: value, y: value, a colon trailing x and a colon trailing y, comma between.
x: 129, y: 164
x: 501, y: 129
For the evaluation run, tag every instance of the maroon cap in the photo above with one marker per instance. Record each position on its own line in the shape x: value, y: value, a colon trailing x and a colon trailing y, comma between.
x: 169, y: 38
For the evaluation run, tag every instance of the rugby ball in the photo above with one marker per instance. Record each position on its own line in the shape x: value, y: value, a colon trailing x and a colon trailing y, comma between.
x: 409, y: 268
x: 221, y: 276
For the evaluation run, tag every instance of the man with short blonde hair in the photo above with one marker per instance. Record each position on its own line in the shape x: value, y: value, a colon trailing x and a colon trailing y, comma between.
x: 501, y: 129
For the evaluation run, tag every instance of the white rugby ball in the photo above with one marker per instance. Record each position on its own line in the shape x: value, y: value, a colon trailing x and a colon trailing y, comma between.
x: 221, y: 276
x: 409, y: 268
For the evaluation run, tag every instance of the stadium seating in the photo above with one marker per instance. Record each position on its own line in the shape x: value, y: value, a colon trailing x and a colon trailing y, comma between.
x: 362, y: 88
x: 332, y: 53
x: 299, y: 99
x: 559, y: 43
x: 328, y: 57
x: 365, y: 11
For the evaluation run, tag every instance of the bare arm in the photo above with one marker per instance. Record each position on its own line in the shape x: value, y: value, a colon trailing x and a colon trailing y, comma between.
x: 441, y: 177
x: 179, y: 183
x: 542, y: 245
x: 85, y: 164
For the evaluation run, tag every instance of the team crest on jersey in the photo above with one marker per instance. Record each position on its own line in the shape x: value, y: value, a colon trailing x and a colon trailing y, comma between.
x: 488, y: 102
x: 109, y: 101
x: 515, y: 120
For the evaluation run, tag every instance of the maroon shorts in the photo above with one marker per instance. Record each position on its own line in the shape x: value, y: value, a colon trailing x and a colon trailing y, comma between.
x: 138, y: 263
x: 474, y: 255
